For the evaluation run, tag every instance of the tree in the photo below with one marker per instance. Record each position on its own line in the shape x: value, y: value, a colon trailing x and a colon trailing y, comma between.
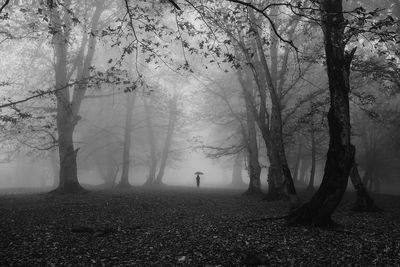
x: 340, y: 157
x: 172, y: 118
x: 253, y: 164
x: 126, y: 159
x: 60, y: 24
x: 152, y: 159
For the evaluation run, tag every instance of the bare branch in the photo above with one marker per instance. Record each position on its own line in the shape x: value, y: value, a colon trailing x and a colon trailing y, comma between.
x: 174, y: 4
x: 4, y: 5
x: 273, y: 26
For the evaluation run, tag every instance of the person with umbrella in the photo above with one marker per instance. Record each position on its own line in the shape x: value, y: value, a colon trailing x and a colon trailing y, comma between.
x: 198, y: 178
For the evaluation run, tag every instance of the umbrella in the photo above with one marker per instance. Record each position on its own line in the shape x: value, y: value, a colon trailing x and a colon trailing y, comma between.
x: 198, y: 173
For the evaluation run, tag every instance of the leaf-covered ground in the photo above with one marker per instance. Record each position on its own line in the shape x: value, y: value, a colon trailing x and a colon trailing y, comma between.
x: 187, y: 227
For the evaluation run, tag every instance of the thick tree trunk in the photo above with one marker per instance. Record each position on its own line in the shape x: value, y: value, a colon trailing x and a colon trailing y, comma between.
x: 340, y: 157
x: 67, y: 110
x: 364, y: 202
x: 170, y: 132
x: 152, y: 144
x: 67, y: 154
x: 310, y: 186
x: 274, y: 175
x: 65, y: 118
x: 126, y: 159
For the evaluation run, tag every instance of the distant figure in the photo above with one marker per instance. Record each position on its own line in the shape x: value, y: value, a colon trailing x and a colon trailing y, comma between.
x: 198, y: 180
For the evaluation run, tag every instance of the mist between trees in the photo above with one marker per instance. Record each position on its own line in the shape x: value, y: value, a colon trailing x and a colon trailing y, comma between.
x: 270, y: 97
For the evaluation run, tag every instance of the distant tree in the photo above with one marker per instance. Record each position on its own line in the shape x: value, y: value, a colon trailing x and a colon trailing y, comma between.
x: 126, y: 158
x: 172, y: 119
x: 237, y: 177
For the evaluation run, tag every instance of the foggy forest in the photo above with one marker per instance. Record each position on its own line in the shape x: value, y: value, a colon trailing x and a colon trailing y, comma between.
x: 199, y: 133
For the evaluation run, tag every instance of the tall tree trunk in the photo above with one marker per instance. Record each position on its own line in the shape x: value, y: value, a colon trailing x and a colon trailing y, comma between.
x: 65, y: 119
x: 284, y: 182
x: 170, y: 132
x: 260, y: 115
x: 126, y: 160
x: 297, y: 164
x: 363, y: 202
x: 254, y: 168
x: 152, y: 159
x: 340, y: 157
x: 310, y: 186
x: 67, y: 109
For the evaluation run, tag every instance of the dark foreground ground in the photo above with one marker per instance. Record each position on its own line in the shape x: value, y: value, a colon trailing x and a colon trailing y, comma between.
x: 186, y: 227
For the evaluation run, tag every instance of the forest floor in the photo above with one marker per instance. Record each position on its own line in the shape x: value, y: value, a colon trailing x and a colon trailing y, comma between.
x: 187, y: 227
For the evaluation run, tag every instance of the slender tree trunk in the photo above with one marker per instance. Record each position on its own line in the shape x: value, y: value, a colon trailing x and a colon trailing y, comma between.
x: 310, y: 186
x: 126, y: 159
x: 285, y: 182
x: 170, y: 132
x: 340, y: 157
x: 303, y: 170
x: 152, y: 144
x: 297, y: 164
x: 254, y: 168
x: 364, y: 202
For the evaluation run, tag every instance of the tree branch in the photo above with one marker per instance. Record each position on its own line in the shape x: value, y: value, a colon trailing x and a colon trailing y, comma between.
x: 174, y: 4
x: 4, y: 5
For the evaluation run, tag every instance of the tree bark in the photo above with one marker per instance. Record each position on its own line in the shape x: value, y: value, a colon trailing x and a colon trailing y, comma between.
x: 170, y: 133
x: 126, y: 159
x: 340, y: 157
